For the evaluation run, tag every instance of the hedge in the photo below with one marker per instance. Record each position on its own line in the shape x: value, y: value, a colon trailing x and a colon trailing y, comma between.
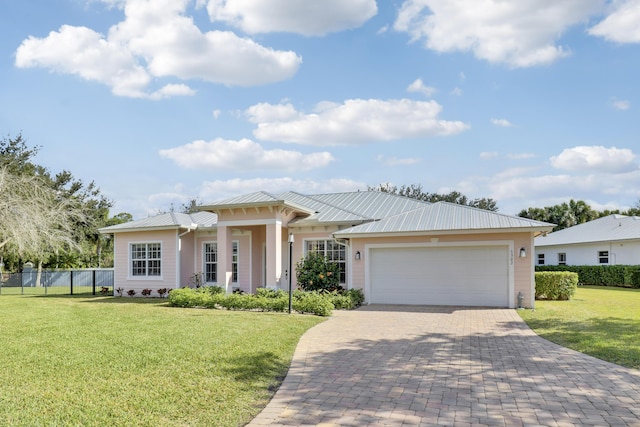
x: 556, y: 285
x: 313, y: 302
x: 601, y: 275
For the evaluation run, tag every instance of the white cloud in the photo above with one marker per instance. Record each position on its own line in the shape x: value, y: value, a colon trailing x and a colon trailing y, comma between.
x: 172, y: 90
x: 487, y: 155
x: 456, y: 91
x: 519, y: 33
x: 503, y: 123
x: 85, y: 53
x: 622, y: 25
x: 243, y: 155
x: 596, y: 159
x: 222, y: 189
x: 621, y: 105
x: 419, y: 87
x: 216, y: 113
x: 156, y: 40
x: 307, y: 17
x: 355, y: 122
x: 395, y: 161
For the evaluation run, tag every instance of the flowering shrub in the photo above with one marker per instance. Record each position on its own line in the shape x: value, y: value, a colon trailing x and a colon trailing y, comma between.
x: 316, y: 272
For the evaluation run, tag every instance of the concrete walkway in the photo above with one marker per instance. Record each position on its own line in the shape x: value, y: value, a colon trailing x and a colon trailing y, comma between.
x: 409, y: 366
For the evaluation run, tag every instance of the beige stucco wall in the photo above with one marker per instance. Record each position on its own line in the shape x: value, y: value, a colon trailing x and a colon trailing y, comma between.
x: 122, y: 275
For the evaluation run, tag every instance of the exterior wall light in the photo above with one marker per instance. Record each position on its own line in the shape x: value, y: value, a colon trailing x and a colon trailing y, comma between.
x: 358, y: 256
x: 523, y: 253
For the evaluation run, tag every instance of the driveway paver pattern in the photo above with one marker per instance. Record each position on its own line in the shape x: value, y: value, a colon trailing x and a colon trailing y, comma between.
x: 446, y: 366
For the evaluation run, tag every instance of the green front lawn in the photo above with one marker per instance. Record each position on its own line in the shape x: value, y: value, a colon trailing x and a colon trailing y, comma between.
x: 603, y: 322
x: 97, y: 361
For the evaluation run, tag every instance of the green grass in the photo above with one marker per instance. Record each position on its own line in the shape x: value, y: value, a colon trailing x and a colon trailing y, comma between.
x: 603, y: 322
x: 96, y: 361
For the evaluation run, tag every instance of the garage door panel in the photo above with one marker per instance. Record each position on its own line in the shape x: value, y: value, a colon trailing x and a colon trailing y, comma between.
x: 440, y: 276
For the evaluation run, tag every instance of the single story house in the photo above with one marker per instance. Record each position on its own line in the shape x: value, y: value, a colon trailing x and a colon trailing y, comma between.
x: 396, y: 249
x: 610, y: 240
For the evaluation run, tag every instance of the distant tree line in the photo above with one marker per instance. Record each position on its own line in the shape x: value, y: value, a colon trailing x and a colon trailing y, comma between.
x: 564, y: 214
x: 415, y: 191
x: 49, y: 219
x: 573, y: 213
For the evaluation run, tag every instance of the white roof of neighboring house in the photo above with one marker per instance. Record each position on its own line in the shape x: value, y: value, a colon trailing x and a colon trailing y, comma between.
x: 609, y: 228
x: 366, y: 211
x: 442, y: 217
x: 169, y: 220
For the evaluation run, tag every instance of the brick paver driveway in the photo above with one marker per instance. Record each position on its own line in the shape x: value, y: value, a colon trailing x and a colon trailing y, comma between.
x: 401, y: 366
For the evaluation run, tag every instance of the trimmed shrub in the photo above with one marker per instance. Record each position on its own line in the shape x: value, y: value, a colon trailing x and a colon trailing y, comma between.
x: 213, y: 290
x: 183, y: 297
x: 312, y: 303
x: 320, y: 303
x: 556, y: 285
x: 346, y: 300
x: 316, y: 272
x: 600, y: 275
x: 635, y: 279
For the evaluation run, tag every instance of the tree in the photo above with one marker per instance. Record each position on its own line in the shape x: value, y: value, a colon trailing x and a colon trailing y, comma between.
x: 563, y: 215
x: 415, y: 191
x: 34, y: 220
x: 88, y: 209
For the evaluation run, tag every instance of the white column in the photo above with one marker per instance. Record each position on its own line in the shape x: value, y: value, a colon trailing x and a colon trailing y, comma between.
x: 274, y: 254
x: 224, y: 257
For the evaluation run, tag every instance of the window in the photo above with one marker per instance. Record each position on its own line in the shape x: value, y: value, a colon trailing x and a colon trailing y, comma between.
x: 603, y: 257
x: 562, y: 259
x: 333, y: 251
x: 234, y: 262
x: 146, y: 259
x: 210, y: 262
x: 540, y: 259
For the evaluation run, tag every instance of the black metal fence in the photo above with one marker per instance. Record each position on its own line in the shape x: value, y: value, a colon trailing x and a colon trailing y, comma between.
x: 58, y: 282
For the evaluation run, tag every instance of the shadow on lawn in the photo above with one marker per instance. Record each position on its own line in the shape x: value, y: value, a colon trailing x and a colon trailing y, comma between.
x: 255, y: 370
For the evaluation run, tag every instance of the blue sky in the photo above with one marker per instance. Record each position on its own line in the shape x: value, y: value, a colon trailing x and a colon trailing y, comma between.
x: 529, y: 102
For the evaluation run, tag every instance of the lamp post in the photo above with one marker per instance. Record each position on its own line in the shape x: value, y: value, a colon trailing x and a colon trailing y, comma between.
x: 290, y: 266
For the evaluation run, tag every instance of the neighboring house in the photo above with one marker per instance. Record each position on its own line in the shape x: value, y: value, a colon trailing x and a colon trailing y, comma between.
x: 610, y: 240
x: 396, y: 249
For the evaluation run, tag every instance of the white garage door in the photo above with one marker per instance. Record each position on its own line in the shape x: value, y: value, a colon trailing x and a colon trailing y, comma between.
x: 469, y: 276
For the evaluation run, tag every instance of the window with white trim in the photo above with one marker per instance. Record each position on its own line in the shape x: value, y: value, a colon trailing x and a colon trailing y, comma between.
x: 146, y: 259
x: 235, y: 249
x: 562, y: 258
x: 540, y: 259
x: 603, y: 257
x: 333, y: 252
x: 210, y: 269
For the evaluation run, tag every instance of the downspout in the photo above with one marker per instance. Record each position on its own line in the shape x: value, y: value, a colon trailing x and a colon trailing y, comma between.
x: 179, y: 249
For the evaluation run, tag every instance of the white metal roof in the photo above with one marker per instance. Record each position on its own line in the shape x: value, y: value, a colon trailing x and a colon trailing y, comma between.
x: 443, y: 216
x: 367, y: 211
x: 609, y: 228
x: 166, y: 221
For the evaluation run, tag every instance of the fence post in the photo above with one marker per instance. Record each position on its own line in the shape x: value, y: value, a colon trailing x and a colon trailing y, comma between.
x: 93, y: 281
x: 71, y: 284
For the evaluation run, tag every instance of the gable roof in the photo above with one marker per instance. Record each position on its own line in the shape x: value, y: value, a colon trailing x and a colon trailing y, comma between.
x: 609, y: 228
x: 165, y: 221
x: 444, y: 216
x: 259, y: 198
